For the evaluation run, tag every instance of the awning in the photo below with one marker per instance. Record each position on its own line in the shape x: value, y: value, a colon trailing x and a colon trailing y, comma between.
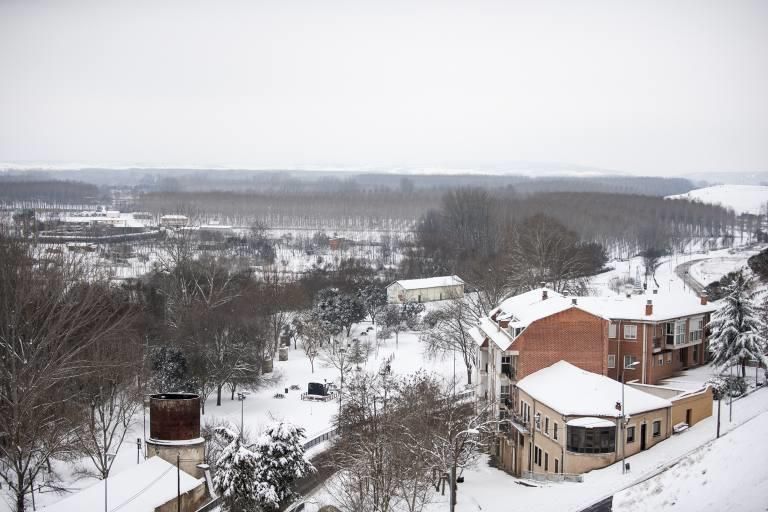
x: 589, y: 422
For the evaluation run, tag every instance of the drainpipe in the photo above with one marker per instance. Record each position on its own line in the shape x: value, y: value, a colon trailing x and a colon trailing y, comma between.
x: 645, y: 351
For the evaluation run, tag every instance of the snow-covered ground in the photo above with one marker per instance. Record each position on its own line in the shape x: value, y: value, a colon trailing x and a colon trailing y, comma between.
x: 260, y: 408
x: 491, y: 490
x: 741, y: 198
x: 726, y: 474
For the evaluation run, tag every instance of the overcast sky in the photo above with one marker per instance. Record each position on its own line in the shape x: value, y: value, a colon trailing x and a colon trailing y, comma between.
x: 665, y: 87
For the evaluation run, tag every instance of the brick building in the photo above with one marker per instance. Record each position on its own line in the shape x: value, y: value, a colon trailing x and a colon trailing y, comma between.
x: 648, y: 337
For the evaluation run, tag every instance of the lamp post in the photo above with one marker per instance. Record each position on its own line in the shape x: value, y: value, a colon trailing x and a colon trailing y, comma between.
x: 241, y: 398
x: 624, y: 368
x: 452, y: 500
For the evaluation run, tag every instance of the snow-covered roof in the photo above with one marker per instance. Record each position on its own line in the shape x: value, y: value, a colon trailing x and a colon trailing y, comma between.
x: 524, y: 309
x: 142, y: 488
x: 476, y: 335
x: 572, y: 391
x: 666, y: 306
x: 499, y: 336
x: 429, y: 282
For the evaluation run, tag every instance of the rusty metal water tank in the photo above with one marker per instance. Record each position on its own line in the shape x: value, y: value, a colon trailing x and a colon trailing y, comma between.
x: 174, y: 416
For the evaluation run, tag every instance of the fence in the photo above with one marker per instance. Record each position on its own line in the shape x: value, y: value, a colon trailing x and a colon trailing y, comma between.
x: 552, y: 477
x: 321, y: 438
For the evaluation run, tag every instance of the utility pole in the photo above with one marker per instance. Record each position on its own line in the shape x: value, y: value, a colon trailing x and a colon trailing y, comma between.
x: 178, y: 483
x: 718, y: 416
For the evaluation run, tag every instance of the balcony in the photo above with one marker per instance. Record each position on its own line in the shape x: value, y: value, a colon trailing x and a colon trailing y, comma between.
x: 509, y: 371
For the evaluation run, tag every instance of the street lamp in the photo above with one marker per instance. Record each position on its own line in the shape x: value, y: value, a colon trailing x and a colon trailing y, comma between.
x: 241, y: 398
x: 469, y: 431
x: 624, y: 416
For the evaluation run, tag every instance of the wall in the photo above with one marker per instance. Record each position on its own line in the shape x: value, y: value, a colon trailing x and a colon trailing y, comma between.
x: 700, y: 404
x: 572, y: 335
x: 190, y: 501
x: 397, y: 295
x: 190, y: 454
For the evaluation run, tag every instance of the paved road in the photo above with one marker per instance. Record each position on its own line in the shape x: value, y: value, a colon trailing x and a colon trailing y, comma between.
x: 683, y: 273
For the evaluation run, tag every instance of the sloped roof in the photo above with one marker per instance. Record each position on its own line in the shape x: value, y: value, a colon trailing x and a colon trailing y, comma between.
x: 572, y: 391
x: 429, y: 282
x: 142, y: 488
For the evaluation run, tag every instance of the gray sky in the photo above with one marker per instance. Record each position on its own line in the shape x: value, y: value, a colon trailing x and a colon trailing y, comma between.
x: 648, y: 87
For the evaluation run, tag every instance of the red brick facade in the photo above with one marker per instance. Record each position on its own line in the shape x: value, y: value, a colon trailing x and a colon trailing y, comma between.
x: 572, y: 335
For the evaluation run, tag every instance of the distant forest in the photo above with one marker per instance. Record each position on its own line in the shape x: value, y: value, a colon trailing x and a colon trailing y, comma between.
x: 623, y: 214
x: 48, y: 191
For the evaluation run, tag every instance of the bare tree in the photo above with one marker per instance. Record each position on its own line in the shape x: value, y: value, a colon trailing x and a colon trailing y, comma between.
x: 448, y: 332
x: 49, y: 319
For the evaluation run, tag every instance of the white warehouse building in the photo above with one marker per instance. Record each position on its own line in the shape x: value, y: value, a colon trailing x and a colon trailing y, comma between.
x: 425, y: 290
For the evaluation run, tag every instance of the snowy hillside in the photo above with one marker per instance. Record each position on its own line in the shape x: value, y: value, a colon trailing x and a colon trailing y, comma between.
x: 724, y: 475
x: 742, y: 198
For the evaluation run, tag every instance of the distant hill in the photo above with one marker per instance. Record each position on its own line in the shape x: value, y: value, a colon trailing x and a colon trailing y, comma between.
x: 740, y: 198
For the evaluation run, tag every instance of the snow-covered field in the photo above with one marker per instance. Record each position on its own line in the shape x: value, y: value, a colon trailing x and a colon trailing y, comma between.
x: 741, y: 198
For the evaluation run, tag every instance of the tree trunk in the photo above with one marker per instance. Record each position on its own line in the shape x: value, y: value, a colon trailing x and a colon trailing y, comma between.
x: 743, y: 367
x: 234, y: 386
x: 469, y: 375
x: 218, y: 395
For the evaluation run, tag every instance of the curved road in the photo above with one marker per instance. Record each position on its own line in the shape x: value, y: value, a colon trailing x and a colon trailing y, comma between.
x: 683, y: 273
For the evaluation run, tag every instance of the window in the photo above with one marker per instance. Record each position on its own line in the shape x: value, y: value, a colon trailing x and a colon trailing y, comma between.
x: 679, y: 332
x: 591, y: 440
x: 557, y: 466
x: 630, y: 332
x: 629, y: 361
x: 537, y: 420
x: 669, y: 357
x: 537, y: 456
x: 546, y: 425
x: 657, y: 428
x: 611, y: 360
x: 630, y: 435
x: 611, y: 330
x: 546, y: 461
x: 695, y: 354
x: 506, y: 367
x: 695, y: 327
x: 504, y: 392
x: 554, y: 431
x: 660, y: 361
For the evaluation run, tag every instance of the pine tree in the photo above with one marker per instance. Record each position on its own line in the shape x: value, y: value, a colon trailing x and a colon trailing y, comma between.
x: 737, y: 331
x: 280, y: 462
x: 236, y: 476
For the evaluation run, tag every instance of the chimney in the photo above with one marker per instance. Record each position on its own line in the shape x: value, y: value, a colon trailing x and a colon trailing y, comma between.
x: 573, y: 301
x: 655, y: 291
x: 544, y: 294
x: 649, y: 308
x: 703, y: 298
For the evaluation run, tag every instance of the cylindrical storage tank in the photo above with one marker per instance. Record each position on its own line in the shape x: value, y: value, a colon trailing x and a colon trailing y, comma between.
x: 174, y: 416
x: 174, y: 431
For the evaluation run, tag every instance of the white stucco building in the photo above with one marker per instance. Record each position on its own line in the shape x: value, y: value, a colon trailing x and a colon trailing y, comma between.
x: 425, y: 290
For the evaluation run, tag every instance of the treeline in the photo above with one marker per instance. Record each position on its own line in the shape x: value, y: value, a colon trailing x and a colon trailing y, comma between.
x: 339, y: 209
x: 48, y: 191
x: 506, y: 244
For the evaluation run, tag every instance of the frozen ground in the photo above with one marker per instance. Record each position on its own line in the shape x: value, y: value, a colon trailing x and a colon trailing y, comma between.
x: 741, y: 198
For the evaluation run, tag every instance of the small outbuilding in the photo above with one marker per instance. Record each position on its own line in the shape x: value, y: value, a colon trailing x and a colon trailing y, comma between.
x: 425, y: 290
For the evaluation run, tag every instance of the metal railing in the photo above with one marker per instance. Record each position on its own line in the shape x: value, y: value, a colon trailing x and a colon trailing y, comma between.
x: 326, y: 435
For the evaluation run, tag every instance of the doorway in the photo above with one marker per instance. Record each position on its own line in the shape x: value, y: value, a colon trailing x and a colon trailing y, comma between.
x: 642, y: 437
x: 688, y: 416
